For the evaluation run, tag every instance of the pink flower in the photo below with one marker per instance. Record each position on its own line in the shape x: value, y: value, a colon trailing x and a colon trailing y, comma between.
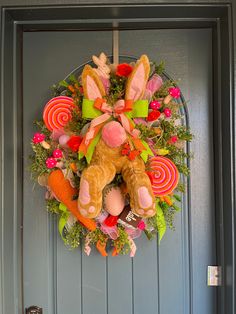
x: 155, y: 105
x: 174, y: 92
x: 154, y: 84
x: 51, y: 162
x: 173, y: 139
x: 141, y: 225
x: 57, y: 153
x: 38, y: 138
x: 167, y: 112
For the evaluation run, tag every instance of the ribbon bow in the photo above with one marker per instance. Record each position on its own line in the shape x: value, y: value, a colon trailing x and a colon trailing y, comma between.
x: 118, y: 111
x: 101, y: 112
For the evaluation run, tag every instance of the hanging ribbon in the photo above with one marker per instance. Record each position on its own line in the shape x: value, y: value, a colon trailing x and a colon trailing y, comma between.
x: 63, y: 219
x: 161, y: 223
x: 101, y: 112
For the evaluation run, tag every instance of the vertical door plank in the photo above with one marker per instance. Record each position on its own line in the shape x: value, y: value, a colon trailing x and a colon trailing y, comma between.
x: 202, y: 178
x: 146, y: 276
x: 120, y: 285
x: 69, y: 276
x: 94, y: 283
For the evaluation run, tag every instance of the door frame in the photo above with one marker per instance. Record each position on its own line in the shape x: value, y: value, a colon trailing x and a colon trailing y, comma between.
x: 24, y: 15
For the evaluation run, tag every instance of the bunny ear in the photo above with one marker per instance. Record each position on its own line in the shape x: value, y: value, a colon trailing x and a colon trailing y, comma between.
x: 137, y: 81
x: 92, y: 84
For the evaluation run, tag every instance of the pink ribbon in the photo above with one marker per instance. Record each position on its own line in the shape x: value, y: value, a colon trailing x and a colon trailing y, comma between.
x: 133, y: 247
x: 117, y: 111
x: 87, y: 248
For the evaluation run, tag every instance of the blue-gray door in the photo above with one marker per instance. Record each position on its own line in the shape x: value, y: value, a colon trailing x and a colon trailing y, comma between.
x: 169, y: 279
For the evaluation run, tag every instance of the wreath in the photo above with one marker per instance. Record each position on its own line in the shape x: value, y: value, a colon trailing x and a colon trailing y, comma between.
x: 111, y: 152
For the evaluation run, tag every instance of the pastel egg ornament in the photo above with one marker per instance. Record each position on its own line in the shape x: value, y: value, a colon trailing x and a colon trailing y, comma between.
x: 113, y: 201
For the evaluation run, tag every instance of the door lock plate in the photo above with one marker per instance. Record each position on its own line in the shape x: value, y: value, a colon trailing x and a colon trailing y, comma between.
x: 214, y: 275
x: 34, y: 310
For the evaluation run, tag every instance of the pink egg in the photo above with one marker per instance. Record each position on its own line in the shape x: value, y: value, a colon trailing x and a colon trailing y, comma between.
x: 113, y: 134
x: 63, y: 139
x: 114, y: 201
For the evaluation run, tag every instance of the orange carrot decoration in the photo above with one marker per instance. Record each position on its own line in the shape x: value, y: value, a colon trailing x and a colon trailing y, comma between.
x: 101, y: 247
x: 63, y: 190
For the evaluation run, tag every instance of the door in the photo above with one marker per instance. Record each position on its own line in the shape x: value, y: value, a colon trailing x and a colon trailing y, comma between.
x: 166, y: 279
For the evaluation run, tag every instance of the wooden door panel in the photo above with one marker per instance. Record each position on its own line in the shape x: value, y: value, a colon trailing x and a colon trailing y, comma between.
x: 157, y: 280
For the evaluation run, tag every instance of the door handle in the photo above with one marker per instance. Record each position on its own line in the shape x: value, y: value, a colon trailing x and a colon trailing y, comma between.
x: 34, y: 310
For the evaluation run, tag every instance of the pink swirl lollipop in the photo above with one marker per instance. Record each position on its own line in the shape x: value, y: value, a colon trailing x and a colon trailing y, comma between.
x: 57, y: 112
x: 165, y: 177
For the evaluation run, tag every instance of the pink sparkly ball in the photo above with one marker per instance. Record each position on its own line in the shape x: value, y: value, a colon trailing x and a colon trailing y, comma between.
x: 167, y: 112
x: 174, y: 92
x: 51, y: 162
x: 38, y: 138
x: 155, y: 105
x: 63, y: 139
x: 57, y: 153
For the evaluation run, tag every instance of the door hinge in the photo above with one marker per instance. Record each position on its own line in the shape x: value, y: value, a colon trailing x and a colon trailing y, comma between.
x: 34, y: 310
x: 214, y: 275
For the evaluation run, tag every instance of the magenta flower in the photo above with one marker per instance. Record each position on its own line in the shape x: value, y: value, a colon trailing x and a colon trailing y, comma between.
x: 167, y: 112
x: 141, y: 225
x: 57, y: 153
x: 51, y: 162
x: 174, y: 92
x: 155, y: 105
x: 38, y: 138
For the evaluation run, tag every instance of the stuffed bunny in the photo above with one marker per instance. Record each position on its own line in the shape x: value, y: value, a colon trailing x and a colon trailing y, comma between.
x: 107, y: 159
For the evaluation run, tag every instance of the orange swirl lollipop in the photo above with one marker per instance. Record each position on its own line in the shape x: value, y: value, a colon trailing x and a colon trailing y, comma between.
x: 57, y: 112
x: 165, y: 177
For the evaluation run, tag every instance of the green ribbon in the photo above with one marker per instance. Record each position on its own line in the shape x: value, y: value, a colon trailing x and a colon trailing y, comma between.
x: 63, y: 219
x: 145, y: 153
x: 88, y: 110
x: 140, y: 109
x: 161, y: 223
x: 91, y: 148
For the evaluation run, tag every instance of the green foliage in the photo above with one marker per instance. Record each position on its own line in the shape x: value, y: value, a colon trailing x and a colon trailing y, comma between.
x: 42, y: 128
x: 117, y: 88
x: 76, y: 124
x: 146, y: 132
x: 159, y: 68
x: 122, y: 243
x: 97, y: 235
x: 74, y: 235
x: 38, y: 166
x: 53, y: 206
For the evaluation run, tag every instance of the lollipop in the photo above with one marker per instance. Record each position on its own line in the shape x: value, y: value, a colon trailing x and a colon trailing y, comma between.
x: 57, y: 112
x: 165, y: 177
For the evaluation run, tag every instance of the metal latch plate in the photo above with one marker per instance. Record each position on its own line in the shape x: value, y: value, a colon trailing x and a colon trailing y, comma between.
x: 214, y: 275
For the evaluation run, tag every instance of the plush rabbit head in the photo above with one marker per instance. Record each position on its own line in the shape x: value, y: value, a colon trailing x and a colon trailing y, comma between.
x: 114, y: 133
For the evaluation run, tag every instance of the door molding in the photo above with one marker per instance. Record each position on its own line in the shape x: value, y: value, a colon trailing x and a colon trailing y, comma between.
x: 16, y: 20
